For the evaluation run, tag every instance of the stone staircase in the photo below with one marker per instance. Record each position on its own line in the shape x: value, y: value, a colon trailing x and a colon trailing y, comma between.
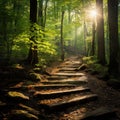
x: 67, y: 88
x: 64, y: 89
x: 67, y: 83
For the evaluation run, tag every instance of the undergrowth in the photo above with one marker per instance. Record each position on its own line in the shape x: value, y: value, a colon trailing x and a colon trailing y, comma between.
x: 94, y: 66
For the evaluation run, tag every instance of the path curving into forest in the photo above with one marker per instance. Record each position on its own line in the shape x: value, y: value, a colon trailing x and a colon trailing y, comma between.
x: 65, y: 94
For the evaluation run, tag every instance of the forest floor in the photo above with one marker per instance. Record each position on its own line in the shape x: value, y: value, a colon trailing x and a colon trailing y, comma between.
x: 25, y: 99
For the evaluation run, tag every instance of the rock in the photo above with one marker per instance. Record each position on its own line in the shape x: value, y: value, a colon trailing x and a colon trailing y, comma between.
x: 17, y: 94
x: 22, y: 115
x: 29, y: 109
x: 82, y: 67
x: 16, y: 97
x: 34, y: 77
x: 38, y: 70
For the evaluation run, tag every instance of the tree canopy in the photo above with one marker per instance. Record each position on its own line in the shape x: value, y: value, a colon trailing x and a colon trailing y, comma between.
x: 54, y: 28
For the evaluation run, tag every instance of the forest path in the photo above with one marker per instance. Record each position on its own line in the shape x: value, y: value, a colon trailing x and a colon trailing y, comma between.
x: 72, y: 95
x: 66, y: 94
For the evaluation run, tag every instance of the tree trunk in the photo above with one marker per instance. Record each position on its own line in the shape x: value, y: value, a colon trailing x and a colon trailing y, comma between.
x: 93, y: 38
x: 100, y: 32
x: 85, y: 35
x: 45, y: 11
x: 62, y: 42
x: 33, y: 55
x: 75, y: 42
x: 40, y: 13
x: 33, y: 11
x: 113, y: 36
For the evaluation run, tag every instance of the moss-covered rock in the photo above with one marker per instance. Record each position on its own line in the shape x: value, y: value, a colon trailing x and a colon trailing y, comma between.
x: 82, y: 67
x: 37, y: 69
x: 29, y: 109
x: 15, y: 94
x: 22, y: 115
x: 34, y: 77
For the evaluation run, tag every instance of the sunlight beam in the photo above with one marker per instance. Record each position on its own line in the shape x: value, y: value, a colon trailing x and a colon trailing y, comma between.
x: 93, y: 13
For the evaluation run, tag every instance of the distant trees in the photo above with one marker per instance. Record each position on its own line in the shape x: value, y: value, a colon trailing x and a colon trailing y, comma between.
x: 11, y: 21
x: 42, y: 12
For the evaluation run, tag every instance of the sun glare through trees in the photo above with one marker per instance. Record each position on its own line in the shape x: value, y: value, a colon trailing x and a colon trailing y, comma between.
x: 93, y: 13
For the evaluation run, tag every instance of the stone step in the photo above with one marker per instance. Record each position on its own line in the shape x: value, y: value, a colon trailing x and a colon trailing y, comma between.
x: 59, y: 93
x: 52, y: 86
x: 73, y: 101
x: 69, y: 66
x: 68, y: 74
x: 66, y: 81
x: 56, y: 77
x: 74, y: 78
x: 103, y: 113
x: 73, y: 62
x: 67, y: 69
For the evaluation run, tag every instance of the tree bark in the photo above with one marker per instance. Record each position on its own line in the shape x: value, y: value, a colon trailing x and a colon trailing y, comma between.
x: 113, y: 36
x: 40, y: 13
x: 45, y: 11
x: 33, y: 55
x: 62, y: 42
x: 85, y: 35
x: 75, y: 42
x: 100, y: 32
x: 93, y: 38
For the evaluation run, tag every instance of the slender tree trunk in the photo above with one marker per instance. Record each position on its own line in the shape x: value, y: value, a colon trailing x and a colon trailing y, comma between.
x: 45, y: 11
x: 5, y: 35
x: 113, y: 36
x: 93, y: 38
x: 69, y: 22
x: 75, y: 42
x: 69, y: 14
x: 85, y: 35
x: 100, y: 32
x: 62, y: 41
x: 85, y: 31
x: 40, y: 13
